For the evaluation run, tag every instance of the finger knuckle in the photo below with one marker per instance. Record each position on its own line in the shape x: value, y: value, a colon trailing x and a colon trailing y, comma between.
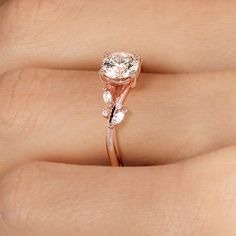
x: 18, y: 191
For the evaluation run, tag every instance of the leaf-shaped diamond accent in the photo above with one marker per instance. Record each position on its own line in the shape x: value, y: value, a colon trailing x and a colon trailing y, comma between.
x: 107, y: 97
x: 118, y: 118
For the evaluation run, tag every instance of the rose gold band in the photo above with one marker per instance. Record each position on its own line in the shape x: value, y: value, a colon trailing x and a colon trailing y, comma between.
x: 115, y: 92
x: 111, y: 137
x: 112, y: 148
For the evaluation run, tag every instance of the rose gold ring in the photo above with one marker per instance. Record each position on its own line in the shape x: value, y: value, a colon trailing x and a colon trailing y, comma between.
x: 119, y: 72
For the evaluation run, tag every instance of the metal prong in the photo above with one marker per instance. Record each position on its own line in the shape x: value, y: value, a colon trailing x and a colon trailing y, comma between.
x: 133, y: 78
x: 107, y: 54
x: 138, y: 57
x: 101, y: 74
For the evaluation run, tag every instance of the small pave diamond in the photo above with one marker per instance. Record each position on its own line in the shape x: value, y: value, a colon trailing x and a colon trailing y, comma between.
x: 118, y: 105
x: 120, y: 65
x: 124, y: 109
x: 107, y: 97
x: 105, y: 113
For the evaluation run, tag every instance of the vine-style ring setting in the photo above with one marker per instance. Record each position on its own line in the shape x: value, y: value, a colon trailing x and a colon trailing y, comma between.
x: 119, y: 72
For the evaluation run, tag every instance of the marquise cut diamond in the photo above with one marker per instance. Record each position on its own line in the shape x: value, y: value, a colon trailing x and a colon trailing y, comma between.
x: 107, y: 97
x: 118, y: 118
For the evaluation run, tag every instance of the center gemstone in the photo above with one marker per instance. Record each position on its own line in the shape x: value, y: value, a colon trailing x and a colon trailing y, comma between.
x: 120, y: 65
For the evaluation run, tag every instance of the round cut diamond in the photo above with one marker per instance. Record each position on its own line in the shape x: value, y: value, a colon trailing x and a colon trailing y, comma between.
x: 105, y: 113
x: 120, y: 65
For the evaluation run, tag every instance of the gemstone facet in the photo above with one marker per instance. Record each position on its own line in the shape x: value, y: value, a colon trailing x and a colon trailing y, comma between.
x: 121, y: 65
x: 107, y: 97
x: 118, y: 118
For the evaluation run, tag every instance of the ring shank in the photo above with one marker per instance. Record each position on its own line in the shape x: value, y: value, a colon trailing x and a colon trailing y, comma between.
x: 111, y: 137
x: 112, y: 147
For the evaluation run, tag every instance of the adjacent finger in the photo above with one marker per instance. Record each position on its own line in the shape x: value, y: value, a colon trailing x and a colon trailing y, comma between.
x: 171, y: 37
x: 195, y: 197
x: 55, y: 115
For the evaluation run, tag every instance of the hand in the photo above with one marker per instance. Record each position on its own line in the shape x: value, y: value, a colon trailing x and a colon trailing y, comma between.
x: 48, y: 116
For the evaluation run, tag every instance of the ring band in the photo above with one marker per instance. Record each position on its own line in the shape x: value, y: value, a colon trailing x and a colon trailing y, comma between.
x: 119, y: 73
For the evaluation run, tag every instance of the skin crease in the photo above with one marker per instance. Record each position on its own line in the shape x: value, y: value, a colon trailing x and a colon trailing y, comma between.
x: 51, y: 129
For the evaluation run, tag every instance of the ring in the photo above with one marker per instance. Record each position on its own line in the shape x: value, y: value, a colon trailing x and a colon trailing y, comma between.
x: 119, y: 72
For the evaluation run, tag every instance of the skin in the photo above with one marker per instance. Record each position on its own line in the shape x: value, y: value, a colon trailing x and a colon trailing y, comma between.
x: 179, y: 133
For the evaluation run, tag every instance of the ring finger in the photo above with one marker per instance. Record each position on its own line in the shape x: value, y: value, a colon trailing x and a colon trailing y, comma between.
x: 55, y: 115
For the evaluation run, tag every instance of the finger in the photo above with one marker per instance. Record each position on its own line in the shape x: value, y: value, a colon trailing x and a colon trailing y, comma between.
x: 195, y: 197
x: 55, y: 115
x: 199, y: 36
